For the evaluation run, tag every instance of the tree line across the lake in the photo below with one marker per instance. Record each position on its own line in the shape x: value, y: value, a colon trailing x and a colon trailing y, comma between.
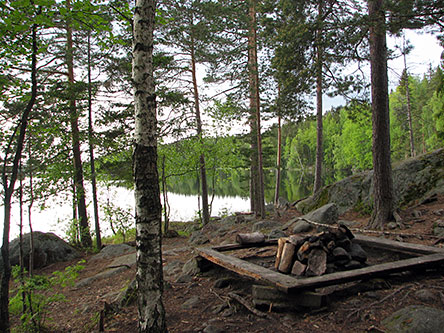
x: 88, y: 86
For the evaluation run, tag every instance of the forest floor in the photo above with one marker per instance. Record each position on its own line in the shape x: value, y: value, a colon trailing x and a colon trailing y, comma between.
x: 350, y: 309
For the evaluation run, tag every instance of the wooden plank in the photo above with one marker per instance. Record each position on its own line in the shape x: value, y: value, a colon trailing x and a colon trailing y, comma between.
x: 289, y: 284
x: 427, y: 261
x: 229, y: 247
x: 388, y: 244
x: 244, y: 268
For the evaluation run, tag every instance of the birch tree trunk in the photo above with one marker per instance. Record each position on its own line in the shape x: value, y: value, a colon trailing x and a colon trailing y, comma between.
x: 382, y: 175
x: 149, y: 274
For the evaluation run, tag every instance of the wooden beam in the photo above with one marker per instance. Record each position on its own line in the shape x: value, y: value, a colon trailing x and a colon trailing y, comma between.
x: 290, y: 284
x: 229, y: 247
x: 281, y: 281
x: 387, y: 244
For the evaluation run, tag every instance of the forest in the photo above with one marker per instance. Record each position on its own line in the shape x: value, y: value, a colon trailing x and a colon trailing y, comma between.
x: 150, y: 94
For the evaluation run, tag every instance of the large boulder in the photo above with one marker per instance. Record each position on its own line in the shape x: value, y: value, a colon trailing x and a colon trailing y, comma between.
x: 415, y: 319
x: 48, y: 249
x: 412, y: 179
x: 327, y: 214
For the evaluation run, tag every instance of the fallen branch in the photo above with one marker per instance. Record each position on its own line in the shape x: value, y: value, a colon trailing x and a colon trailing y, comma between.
x: 249, y: 307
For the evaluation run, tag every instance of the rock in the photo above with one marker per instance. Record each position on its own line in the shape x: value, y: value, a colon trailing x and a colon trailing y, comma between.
x: 191, y: 267
x: 102, y: 275
x: 327, y: 214
x: 112, y: 251
x: 229, y: 220
x: 415, y: 319
x: 222, y: 283
x: 392, y: 225
x: 198, y: 238
x: 128, y: 296
x: 171, y: 234
x: 184, y: 278
x: 317, y: 262
x: 426, y: 295
x: 48, y: 249
x: 126, y: 260
x: 302, y: 226
x: 265, y: 225
x: 357, y: 253
x: 340, y: 254
x: 276, y: 233
x: 439, y: 212
x: 172, y: 268
x: 282, y: 203
x: 193, y: 302
x: 219, y: 308
x: 422, y: 176
x: 298, y: 268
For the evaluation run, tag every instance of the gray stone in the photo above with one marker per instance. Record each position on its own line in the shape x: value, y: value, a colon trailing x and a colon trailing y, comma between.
x: 102, y: 275
x: 128, y: 296
x: 184, y: 278
x: 229, y: 220
x: 426, y: 295
x: 48, y: 249
x: 172, y: 268
x: 282, y: 203
x: 302, y: 226
x: 126, y: 260
x: 357, y: 252
x: 327, y: 214
x: 265, y: 225
x: 191, y: 303
x: 112, y: 251
x: 415, y: 319
x: 198, y: 238
x: 392, y: 225
x: 276, y: 233
x: 290, y: 223
x: 191, y: 267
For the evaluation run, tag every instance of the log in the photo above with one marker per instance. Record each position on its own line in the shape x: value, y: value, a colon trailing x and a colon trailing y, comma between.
x: 286, y: 261
x: 252, y: 238
x: 281, y: 243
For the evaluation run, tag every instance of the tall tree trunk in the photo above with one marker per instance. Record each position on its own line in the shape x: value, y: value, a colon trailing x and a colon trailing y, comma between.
x: 255, y: 109
x: 85, y: 236
x: 278, y: 161
x: 166, y: 207
x: 382, y: 175
x: 409, y: 105
x: 91, y: 151
x: 9, y: 187
x: 203, y: 172
x: 31, y: 203
x: 319, y: 59
x: 147, y: 193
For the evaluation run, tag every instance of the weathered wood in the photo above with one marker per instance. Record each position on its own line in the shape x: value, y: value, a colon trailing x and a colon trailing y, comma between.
x: 281, y: 281
x: 290, y: 285
x: 387, y: 244
x: 230, y: 247
x: 286, y: 261
x: 281, y: 243
x: 251, y: 238
x: 247, y: 305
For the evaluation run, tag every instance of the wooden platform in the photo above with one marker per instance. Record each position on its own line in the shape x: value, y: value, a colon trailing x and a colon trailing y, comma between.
x: 423, y: 257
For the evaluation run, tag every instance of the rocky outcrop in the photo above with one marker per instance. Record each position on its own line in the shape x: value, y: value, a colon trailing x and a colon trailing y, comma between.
x: 415, y: 318
x: 412, y: 179
x: 48, y: 249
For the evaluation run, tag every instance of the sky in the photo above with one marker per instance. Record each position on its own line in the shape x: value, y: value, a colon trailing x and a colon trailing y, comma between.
x: 426, y: 51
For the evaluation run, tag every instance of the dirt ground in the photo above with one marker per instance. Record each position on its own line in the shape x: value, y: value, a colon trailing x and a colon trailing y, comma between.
x: 354, y: 307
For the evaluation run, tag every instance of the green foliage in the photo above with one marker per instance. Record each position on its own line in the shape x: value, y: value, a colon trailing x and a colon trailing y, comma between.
x: 35, y: 294
x: 120, y: 221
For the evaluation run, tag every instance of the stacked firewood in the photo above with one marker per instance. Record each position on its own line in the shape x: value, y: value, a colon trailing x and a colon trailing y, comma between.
x: 327, y: 252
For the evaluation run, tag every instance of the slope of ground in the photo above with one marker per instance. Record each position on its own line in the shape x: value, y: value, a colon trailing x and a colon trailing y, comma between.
x: 198, y: 305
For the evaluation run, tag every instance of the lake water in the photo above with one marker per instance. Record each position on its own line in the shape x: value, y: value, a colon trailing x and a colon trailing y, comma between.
x: 57, y: 214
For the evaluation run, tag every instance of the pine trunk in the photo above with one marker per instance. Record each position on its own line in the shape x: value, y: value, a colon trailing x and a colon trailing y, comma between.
x: 202, y: 169
x: 319, y: 150
x: 85, y: 236
x: 409, y: 106
x: 91, y: 151
x: 255, y: 111
x: 147, y: 193
x: 382, y: 176
x: 278, y: 161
